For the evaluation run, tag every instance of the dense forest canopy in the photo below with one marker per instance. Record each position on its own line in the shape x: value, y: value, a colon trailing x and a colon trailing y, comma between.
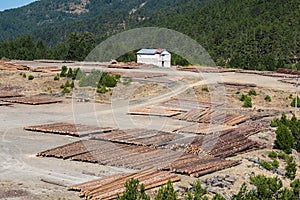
x: 250, y: 34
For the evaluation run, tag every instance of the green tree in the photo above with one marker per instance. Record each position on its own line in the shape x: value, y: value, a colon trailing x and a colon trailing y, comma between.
x: 198, y: 192
x: 284, y: 139
x: 291, y: 168
x: 247, y: 102
x: 64, y: 70
x: 133, y: 191
x: 166, y: 192
x: 293, y: 103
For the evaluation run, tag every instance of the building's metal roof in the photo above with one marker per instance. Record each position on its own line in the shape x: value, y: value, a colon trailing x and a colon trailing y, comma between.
x: 151, y: 51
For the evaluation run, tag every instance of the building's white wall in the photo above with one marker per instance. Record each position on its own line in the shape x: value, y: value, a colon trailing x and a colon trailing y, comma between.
x: 156, y: 59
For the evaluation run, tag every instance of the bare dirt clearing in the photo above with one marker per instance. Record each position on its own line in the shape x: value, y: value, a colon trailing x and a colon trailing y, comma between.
x: 25, y: 176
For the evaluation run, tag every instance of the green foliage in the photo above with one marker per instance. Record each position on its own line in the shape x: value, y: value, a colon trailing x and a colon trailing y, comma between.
x: 56, y: 78
x: 178, y: 60
x: 266, y: 165
x: 128, y: 57
x: 291, y: 168
x: 30, y: 77
x: 267, y: 188
x: 284, y: 139
x: 273, y: 154
x: 295, y: 185
x: 205, y: 89
x: 66, y: 90
x: 253, y: 35
x: 100, y: 80
x: 166, y: 192
x: 243, y: 97
x: 218, y: 197
x: 198, y: 192
x: 24, y: 75
x: 293, y: 103
x: 252, y: 92
x: 133, y: 191
x: 268, y: 98
x: 275, y: 163
x: 282, y: 155
x: 63, y: 72
x: 102, y: 89
x: 247, y: 102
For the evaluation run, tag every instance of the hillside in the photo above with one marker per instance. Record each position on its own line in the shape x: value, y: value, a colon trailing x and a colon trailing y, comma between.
x: 251, y: 34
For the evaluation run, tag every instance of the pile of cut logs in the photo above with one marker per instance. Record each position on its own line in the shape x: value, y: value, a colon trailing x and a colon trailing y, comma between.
x: 109, y: 187
x: 64, y: 128
x: 32, y: 100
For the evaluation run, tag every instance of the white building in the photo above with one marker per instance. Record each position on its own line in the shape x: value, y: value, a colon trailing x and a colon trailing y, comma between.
x: 158, y: 57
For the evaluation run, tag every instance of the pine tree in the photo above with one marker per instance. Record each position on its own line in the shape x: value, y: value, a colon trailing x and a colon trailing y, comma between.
x: 284, y: 139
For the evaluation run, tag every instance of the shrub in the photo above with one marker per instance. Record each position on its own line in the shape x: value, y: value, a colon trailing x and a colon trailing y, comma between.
x: 166, y: 192
x: 266, y: 165
x: 63, y: 72
x: 24, y: 75
x: 247, y: 102
x: 199, y: 192
x: 30, y: 77
x: 252, y: 92
x: 56, y: 78
x: 243, y: 97
x: 293, y: 103
x: 284, y: 139
x: 273, y: 154
x: 275, y: 163
x: 133, y: 191
x: 268, y: 98
x: 282, y: 155
x: 66, y: 91
x: 205, y: 89
x: 102, y: 90
x: 67, y: 84
x: 291, y: 168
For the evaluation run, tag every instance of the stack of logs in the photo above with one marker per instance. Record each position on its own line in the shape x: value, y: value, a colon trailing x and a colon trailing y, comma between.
x: 32, y: 100
x: 212, y: 116
x: 64, y: 128
x: 110, y: 187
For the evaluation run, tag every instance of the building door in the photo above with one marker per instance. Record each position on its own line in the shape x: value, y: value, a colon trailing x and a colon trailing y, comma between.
x: 163, y: 63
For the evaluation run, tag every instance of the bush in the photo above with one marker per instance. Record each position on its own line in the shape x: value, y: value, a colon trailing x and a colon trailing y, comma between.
x: 284, y: 139
x: 282, y: 155
x: 166, y: 192
x: 291, y: 168
x: 199, y: 192
x: 275, y: 163
x: 247, y: 102
x: 243, y: 97
x: 293, y: 103
x: 67, y: 84
x: 273, y: 154
x: 205, y: 89
x: 63, y: 72
x: 133, y: 191
x: 266, y: 165
x: 252, y: 92
x: 30, y: 77
x: 268, y: 98
x: 24, y: 75
x: 102, y: 90
x: 56, y: 78
x: 66, y: 91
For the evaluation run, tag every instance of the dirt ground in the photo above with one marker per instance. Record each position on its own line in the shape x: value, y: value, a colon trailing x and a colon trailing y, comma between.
x: 25, y: 176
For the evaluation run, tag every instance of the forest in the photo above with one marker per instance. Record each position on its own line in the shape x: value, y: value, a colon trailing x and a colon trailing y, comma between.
x: 249, y: 34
